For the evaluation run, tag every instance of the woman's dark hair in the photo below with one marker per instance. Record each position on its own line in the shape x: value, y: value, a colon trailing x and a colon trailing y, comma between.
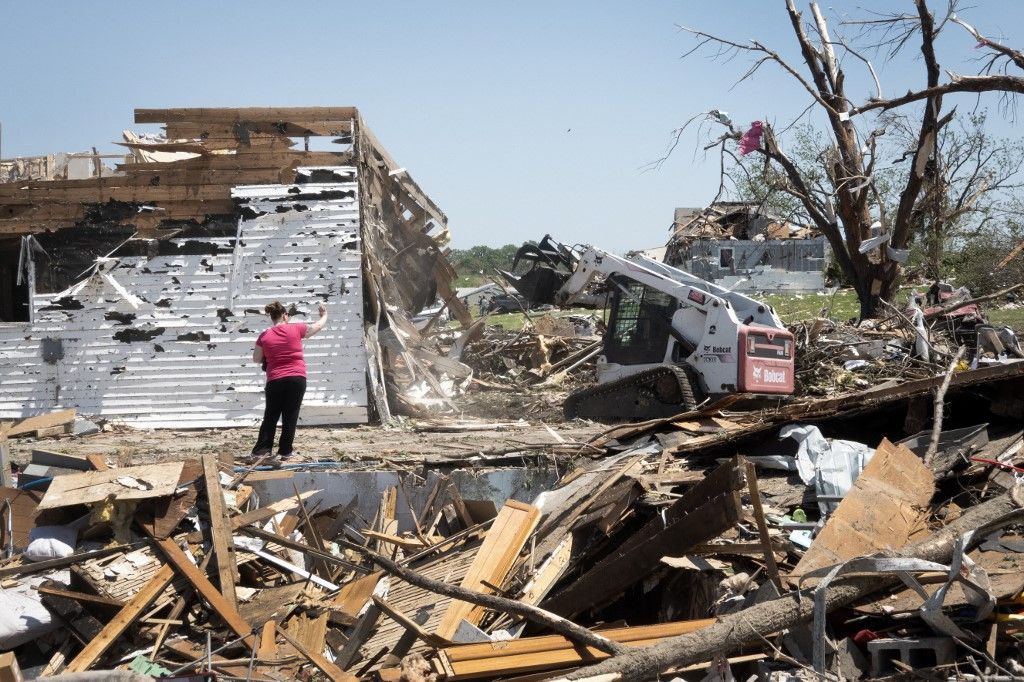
x: 275, y: 310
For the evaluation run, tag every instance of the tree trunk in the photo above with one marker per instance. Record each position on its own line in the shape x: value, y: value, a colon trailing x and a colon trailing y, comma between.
x: 874, y: 283
x: 761, y: 620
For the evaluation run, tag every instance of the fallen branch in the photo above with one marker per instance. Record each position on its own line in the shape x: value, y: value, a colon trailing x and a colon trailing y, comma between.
x: 971, y: 301
x: 748, y: 625
x: 556, y: 623
x: 940, y: 397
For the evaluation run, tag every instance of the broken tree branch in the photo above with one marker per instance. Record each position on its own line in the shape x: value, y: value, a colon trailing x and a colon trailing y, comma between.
x: 735, y: 630
x: 562, y: 626
x: 976, y: 84
x: 940, y: 397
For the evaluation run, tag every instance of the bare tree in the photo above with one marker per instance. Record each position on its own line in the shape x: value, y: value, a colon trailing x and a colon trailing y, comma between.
x: 869, y: 240
x: 970, y: 185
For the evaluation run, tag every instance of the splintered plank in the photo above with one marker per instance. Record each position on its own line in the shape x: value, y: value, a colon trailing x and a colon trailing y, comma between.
x: 505, y: 540
x: 354, y: 595
x: 129, y: 483
x: 220, y: 531
x: 549, y: 652
x: 887, y: 505
x: 42, y: 421
x: 124, y: 618
x: 332, y: 671
x: 257, y: 515
x: 208, y: 592
x: 705, y: 511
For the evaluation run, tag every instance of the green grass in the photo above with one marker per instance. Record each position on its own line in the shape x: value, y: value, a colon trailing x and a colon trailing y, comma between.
x: 515, y: 321
x: 841, y: 306
x: 1010, y: 318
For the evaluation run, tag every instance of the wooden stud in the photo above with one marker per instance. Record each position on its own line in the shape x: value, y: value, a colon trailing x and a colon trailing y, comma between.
x: 762, y: 527
x: 268, y: 641
x: 97, y: 462
x: 332, y: 671
x: 322, y: 569
x: 80, y: 596
x: 208, y: 592
x: 124, y: 618
x: 499, y: 551
x: 220, y: 531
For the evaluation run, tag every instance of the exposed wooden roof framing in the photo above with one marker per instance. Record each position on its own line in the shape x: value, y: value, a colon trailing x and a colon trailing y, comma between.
x: 234, y: 146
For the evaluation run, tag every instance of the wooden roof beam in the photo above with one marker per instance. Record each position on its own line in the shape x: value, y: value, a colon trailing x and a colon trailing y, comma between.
x: 253, y: 114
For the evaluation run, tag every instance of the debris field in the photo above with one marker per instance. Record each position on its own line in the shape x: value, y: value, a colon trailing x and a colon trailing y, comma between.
x: 868, y: 526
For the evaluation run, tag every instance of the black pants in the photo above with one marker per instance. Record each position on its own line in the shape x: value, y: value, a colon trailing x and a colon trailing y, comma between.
x: 284, y: 398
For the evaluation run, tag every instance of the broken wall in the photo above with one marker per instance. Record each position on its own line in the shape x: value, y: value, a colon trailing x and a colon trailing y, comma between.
x: 747, y: 265
x: 167, y: 340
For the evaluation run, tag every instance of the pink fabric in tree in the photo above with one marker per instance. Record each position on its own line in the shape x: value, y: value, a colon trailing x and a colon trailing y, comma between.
x: 751, y: 139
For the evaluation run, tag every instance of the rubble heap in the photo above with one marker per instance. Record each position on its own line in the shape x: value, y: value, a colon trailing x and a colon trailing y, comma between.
x: 858, y: 536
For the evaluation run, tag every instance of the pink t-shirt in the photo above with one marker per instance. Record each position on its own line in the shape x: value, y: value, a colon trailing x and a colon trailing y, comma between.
x: 282, y: 349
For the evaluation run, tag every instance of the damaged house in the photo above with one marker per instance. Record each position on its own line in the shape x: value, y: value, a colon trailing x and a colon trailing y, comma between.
x: 739, y: 246
x: 136, y: 294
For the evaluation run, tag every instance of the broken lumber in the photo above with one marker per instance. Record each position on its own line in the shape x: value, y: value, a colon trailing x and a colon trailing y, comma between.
x: 547, y: 652
x: 122, y: 621
x: 208, y: 592
x: 761, y: 620
x: 537, y: 615
x: 257, y: 515
x: 129, y: 483
x: 885, y: 507
x: 220, y: 531
x: 499, y: 551
x: 705, y: 511
x: 42, y: 422
x: 332, y: 671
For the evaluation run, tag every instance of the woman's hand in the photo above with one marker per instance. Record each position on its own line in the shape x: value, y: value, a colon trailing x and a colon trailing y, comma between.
x: 319, y: 324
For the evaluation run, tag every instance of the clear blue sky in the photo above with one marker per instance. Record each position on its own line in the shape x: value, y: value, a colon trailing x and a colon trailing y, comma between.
x: 518, y: 118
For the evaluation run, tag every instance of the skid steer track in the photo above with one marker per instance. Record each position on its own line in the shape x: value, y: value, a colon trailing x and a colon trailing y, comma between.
x: 659, y: 392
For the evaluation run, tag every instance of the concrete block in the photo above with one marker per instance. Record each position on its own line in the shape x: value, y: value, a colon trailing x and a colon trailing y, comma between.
x: 918, y: 652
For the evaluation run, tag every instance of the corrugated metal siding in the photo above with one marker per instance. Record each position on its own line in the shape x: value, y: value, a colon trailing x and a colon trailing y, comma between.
x: 184, y: 360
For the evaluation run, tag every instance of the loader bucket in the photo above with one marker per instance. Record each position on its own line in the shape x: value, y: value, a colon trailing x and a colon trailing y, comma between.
x: 545, y: 268
x: 538, y: 285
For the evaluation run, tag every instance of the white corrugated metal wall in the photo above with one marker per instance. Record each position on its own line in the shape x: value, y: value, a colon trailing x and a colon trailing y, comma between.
x: 167, y: 341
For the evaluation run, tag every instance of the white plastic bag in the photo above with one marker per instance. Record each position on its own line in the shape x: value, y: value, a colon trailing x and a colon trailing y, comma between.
x: 832, y: 465
x: 51, y: 542
x: 22, y: 614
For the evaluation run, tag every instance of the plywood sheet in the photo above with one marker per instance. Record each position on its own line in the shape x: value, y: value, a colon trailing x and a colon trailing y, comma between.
x: 885, y: 508
x: 129, y: 483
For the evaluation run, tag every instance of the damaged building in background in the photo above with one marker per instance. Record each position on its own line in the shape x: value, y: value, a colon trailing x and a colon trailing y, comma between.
x: 136, y: 293
x: 739, y: 246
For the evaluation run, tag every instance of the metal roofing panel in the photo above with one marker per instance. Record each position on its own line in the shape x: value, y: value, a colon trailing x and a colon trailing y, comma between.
x: 180, y: 354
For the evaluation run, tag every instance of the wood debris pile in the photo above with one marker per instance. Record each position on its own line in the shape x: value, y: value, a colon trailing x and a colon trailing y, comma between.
x: 675, y: 547
x: 833, y: 357
x: 530, y: 357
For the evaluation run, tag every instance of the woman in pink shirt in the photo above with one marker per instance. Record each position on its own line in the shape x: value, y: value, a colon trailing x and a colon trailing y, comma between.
x: 279, y: 349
